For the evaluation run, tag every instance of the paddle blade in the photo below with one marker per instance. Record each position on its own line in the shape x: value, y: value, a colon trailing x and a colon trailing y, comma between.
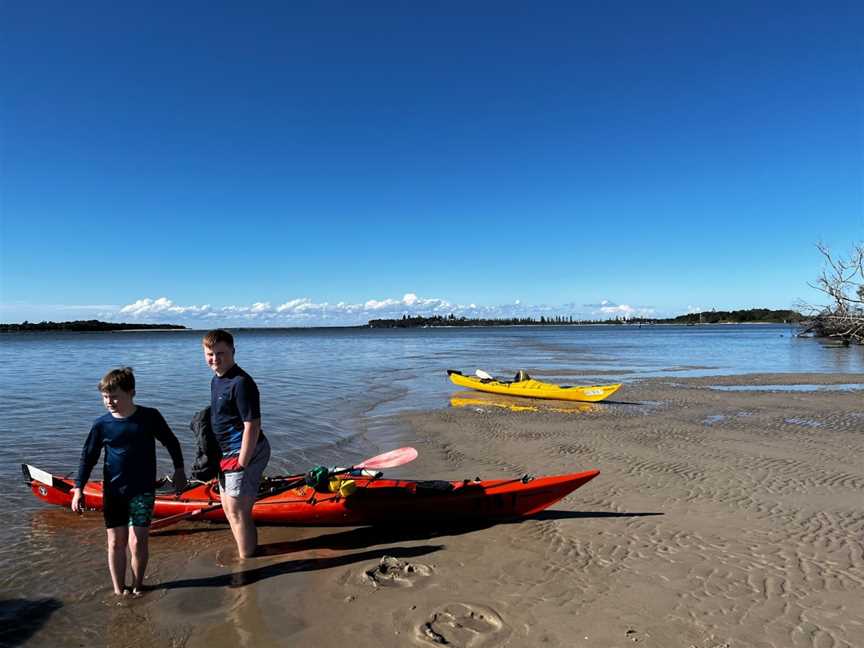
x: 161, y: 523
x: 398, y: 457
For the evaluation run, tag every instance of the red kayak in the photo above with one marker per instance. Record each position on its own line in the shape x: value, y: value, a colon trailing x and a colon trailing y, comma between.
x: 371, y: 500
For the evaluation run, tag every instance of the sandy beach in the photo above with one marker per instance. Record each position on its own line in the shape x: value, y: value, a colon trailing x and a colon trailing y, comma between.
x: 720, y: 519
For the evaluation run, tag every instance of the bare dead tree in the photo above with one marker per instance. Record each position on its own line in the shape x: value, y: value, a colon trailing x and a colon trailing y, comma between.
x: 843, y: 281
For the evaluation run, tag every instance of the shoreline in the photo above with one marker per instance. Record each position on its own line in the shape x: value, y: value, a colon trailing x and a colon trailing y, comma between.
x: 718, y: 519
x: 705, y: 528
x: 179, y: 328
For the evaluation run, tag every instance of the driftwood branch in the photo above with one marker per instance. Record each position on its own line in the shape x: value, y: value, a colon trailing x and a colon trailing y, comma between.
x: 843, y: 281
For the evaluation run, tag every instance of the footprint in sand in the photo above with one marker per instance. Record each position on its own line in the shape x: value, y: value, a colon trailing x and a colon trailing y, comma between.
x: 391, y: 572
x: 463, y: 625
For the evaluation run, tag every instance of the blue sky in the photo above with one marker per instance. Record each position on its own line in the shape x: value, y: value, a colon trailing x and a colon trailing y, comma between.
x: 331, y: 162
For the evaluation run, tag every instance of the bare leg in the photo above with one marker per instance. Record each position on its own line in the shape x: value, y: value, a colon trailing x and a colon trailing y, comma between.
x: 238, y: 510
x: 139, y: 548
x: 118, y: 539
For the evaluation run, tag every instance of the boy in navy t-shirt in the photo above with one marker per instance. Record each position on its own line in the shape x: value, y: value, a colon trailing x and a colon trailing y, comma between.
x: 235, y: 412
x: 128, y: 432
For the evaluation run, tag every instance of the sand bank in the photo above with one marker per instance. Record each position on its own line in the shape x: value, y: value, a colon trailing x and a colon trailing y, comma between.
x: 719, y: 519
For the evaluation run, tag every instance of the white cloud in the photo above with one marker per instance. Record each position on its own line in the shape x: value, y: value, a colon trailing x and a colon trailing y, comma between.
x: 292, y: 305
x: 622, y: 309
x: 608, y: 309
x: 627, y: 311
x: 305, y: 312
x: 374, y: 304
x: 149, y: 306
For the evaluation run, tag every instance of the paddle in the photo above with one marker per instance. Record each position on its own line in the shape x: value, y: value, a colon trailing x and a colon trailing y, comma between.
x: 391, y: 459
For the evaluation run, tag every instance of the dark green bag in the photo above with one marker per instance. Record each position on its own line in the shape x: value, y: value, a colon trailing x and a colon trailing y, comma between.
x: 318, y: 478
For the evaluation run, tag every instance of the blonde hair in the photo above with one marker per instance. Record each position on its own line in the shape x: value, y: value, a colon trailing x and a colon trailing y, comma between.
x: 218, y: 335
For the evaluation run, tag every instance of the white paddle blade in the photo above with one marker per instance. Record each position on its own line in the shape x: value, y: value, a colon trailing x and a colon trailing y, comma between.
x: 398, y: 457
x: 483, y: 375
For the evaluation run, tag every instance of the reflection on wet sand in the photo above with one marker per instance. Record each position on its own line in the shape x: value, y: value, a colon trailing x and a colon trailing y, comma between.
x: 244, y: 615
x: 241, y: 577
x: 255, y: 602
x: 482, y: 400
x: 66, y: 596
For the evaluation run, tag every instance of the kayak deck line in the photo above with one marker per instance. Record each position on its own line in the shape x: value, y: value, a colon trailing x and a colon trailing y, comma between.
x: 374, y: 501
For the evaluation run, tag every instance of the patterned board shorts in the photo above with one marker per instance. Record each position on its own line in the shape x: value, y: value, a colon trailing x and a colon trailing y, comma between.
x: 121, y: 511
x: 244, y: 483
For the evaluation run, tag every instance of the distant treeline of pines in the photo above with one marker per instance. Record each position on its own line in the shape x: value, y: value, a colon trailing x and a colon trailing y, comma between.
x: 83, y: 325
x: 752, y: 315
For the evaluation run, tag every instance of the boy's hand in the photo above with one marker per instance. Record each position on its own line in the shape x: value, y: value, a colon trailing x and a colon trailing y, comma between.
x: 77, y: 500
x: 179, y: 480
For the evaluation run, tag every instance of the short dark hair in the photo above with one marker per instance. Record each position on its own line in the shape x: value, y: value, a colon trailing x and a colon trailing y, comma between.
x: 121, y: 378
x: 218, y: 335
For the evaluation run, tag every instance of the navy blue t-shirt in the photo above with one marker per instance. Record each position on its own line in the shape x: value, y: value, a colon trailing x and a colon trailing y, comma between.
x: 234, y: 398
x: 130, y: 451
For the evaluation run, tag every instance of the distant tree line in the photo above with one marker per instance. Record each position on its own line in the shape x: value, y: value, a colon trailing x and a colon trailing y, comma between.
x: 748, y: 316
x: 762, y: 315
x: 83, y: 325
x: 452, y: 320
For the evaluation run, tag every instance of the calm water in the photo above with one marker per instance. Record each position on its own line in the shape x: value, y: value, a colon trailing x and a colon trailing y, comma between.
x: 326, y: 393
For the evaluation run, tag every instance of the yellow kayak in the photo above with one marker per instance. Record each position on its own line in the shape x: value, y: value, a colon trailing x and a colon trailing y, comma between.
x: 527, y: 386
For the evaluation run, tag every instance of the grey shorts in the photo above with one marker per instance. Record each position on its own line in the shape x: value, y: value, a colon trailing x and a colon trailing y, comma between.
x: 244, y: 483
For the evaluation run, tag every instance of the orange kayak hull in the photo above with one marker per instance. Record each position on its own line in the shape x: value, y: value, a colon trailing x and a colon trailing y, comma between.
x: 372, y: 501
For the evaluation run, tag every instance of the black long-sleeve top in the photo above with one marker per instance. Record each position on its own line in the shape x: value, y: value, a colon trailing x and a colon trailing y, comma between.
x: 130, y: 451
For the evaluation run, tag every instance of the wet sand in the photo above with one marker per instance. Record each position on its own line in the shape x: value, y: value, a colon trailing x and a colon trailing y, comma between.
x: 719, y: 519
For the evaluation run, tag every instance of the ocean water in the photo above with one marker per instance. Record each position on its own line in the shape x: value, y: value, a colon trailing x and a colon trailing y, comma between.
x: 326, y: 393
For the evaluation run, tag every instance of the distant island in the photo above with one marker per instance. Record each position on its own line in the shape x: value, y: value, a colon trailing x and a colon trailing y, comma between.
x: 750, y: 316
x: 83, y: 325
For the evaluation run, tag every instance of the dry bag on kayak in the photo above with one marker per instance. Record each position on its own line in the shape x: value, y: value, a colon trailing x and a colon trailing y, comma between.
x: 208, y: 455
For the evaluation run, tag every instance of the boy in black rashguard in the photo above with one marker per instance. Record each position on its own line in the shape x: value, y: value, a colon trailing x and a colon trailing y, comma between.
x: 128, y: 433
